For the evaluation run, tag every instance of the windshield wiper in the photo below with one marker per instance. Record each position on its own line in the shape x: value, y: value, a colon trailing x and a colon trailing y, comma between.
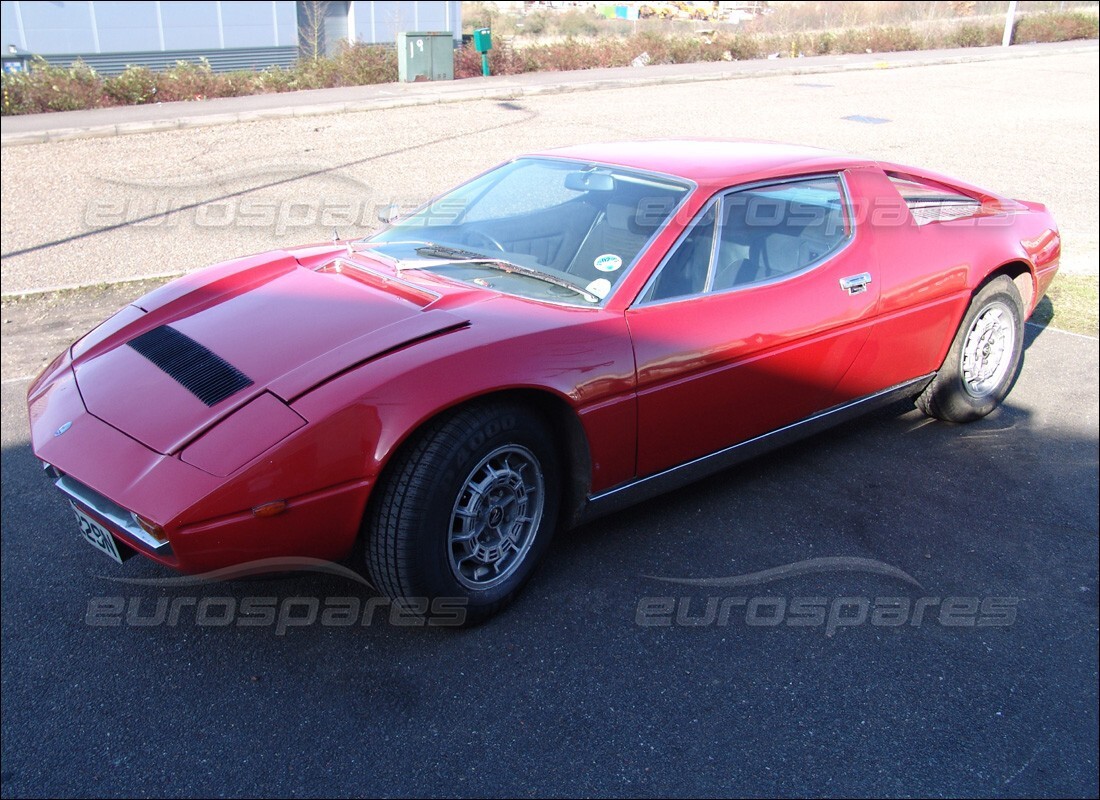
x: 453, y: 255
x: 434, y: 250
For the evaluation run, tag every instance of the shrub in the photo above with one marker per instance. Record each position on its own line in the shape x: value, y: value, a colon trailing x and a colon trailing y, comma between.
x: 687, y: 49
x: 136, y: 85
x: 851, y: 40
x: 467, y: 62
x: 52, y: 88
x: 74, y: 88
x: 277, y: 79
x: 561, y: 56
x: 892, y: 40
x: 363, y: 64
x: 240, y: 83
x: 743, y: 47
x: 503, y: 60
x: 1060, y: 27
x: 970, y: 35
x: 187, y: 81
x: 577, y: 23
x: 17, y: 94
x: 536, y: 23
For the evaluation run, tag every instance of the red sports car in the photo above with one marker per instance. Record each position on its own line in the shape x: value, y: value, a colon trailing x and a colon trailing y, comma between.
x: 563, y: 335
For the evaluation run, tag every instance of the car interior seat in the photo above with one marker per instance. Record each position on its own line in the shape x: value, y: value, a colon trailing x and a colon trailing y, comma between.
x: 616, y: 231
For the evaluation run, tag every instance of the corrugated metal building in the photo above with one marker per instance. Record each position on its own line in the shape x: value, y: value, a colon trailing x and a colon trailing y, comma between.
x: 231, y: 34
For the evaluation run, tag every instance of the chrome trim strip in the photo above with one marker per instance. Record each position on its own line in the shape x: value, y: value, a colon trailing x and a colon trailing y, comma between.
x: 115, y: 514
x: 645, y: 488
x: 715, y: 246
x: 711, y: 204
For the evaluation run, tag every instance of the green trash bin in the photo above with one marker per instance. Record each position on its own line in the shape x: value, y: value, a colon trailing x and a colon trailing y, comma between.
x: 483, y: 40
x: 483, y: 43
x: 425, y: 56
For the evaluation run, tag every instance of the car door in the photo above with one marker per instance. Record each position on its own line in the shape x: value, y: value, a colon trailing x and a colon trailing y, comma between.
x: 752, y: 319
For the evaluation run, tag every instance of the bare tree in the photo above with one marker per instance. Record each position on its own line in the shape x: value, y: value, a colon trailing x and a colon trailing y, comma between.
x: 311, y: 28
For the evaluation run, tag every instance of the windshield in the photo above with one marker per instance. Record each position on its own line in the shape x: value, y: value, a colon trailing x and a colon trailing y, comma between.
x: 553, y: 230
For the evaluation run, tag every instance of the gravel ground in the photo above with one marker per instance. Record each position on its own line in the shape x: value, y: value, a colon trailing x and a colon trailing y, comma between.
x: 91, y: 211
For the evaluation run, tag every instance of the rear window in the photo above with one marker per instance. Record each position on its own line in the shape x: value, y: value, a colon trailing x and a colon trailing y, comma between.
x: 929, y: 201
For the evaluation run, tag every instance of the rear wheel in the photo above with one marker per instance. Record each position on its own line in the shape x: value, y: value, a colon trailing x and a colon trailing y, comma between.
x: 465, y: 511
x: 984, y: 358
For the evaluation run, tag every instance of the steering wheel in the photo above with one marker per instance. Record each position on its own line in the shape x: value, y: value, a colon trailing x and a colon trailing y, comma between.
x: 476, y: 237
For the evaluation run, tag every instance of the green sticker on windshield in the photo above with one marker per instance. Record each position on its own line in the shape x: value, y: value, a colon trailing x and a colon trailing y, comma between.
x: 608, y: 262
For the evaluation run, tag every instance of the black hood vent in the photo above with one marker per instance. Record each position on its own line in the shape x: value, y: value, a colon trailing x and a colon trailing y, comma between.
x: 206, y: 375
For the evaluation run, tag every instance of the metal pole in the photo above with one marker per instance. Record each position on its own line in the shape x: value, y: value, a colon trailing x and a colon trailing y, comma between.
x: 485, y: 64
x: 1010, y: 18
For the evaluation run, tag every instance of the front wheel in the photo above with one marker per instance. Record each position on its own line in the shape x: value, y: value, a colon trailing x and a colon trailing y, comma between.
x: 984, y: 358
x: 465, y: 511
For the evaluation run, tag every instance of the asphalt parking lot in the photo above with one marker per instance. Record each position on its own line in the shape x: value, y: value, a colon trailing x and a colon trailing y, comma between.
x: 602, y: 679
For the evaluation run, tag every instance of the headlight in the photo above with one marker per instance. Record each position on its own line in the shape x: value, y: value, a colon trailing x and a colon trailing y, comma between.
x: 248, y: 432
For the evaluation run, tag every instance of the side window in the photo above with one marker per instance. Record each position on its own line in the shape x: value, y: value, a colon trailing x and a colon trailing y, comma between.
x: 685, y: 269
x: 773, y: 231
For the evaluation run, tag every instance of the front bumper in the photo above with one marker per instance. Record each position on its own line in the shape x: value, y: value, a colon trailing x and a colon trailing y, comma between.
x: 208, y: 521
x: 119, y: 521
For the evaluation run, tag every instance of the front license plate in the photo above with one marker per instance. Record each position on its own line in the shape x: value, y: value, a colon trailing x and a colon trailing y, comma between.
x: 96, y: 535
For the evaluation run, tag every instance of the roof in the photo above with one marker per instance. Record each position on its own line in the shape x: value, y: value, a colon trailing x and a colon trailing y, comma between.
x: 708, y: 161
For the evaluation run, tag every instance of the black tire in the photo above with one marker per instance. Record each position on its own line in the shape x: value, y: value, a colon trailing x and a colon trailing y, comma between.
x: 409, y: 523
x: 958, y: 396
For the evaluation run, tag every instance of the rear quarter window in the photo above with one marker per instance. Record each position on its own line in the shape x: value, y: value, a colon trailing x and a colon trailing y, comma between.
x: 929, y: 201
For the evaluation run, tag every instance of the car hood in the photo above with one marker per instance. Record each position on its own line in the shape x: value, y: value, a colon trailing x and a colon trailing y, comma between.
x: 187, y: 355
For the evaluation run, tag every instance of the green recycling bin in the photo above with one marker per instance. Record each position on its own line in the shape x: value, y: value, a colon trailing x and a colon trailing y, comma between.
x: 425, y: 56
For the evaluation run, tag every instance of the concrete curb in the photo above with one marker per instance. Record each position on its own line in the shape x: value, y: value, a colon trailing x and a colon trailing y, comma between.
x: 513, y: 91
x: 81, y: 287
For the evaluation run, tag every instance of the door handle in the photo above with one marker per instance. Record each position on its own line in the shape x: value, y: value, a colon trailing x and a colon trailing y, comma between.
x: 856, y: 284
